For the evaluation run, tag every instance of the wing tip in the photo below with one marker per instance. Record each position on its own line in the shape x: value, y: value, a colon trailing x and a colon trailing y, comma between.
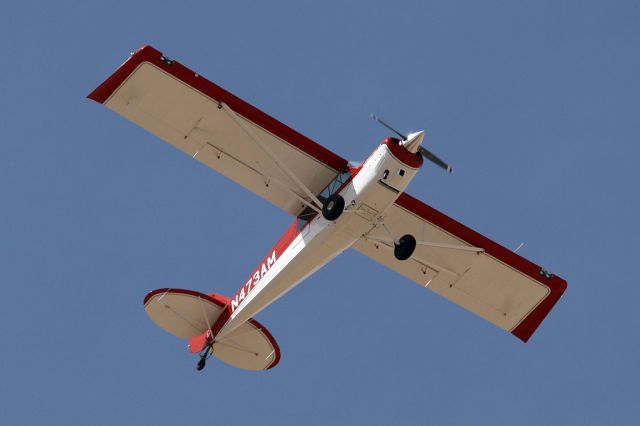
x: 101, y: 93
x: 531, y: 322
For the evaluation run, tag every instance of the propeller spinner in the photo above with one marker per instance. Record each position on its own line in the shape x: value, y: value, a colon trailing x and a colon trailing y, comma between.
x: 413, y: 142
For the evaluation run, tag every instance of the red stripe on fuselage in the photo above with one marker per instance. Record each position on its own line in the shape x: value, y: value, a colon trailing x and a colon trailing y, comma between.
x: 283, y: 243
x: 274, y: 254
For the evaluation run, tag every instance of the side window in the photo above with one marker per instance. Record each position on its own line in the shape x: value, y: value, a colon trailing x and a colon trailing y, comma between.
x: 305, y: 217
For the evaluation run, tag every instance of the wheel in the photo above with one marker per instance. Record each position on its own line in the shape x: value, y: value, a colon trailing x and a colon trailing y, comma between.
x: 333, y: 207
x: 201, y: 364
x: 404, y: 249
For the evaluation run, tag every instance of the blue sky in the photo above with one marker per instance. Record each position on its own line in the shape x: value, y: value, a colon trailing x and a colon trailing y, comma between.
x: 536, y: 106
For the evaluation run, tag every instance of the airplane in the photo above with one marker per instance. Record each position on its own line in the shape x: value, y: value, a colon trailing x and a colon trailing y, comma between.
x: 336, y: 205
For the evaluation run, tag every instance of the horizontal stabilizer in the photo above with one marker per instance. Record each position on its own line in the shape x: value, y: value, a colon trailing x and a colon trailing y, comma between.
x: 183, y: 313
x: 191, y: 315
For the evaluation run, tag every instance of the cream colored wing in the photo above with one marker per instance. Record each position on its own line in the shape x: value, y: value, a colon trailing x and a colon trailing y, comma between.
x: 218, y: 129
x: 466, y: 267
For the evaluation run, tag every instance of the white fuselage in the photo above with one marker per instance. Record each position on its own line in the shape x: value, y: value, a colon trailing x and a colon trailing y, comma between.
x: 372, y: 190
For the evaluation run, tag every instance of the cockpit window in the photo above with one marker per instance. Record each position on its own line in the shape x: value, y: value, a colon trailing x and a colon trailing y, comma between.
x: 334, y: 185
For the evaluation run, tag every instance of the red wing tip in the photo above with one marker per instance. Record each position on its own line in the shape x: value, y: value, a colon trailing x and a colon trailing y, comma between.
x: 101, y: 93
x: 530, y: 324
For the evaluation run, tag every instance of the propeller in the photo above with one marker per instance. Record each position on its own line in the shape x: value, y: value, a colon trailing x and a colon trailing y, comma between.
x: 435, y: 159
x: 422, y: 150
x: 379, y: 120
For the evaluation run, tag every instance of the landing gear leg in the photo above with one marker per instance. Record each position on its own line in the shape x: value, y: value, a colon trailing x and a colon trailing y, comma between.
x: 205, y: 355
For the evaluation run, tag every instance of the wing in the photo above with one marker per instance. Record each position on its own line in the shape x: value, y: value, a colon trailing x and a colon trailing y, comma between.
x: 218, y: 129
x: 494, y: 283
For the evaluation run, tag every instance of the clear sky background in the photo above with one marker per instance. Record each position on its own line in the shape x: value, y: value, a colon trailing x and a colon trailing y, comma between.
x: 536, y: 104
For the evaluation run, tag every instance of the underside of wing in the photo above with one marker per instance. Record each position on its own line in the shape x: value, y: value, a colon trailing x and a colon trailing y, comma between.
x: 218, y: 129
x: 466, y: 268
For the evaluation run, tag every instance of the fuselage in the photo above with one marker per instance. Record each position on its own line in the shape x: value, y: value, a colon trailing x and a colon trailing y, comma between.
x: 312, y: 241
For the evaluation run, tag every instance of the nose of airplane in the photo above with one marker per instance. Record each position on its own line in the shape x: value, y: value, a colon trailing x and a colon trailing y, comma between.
x: 414, y: 140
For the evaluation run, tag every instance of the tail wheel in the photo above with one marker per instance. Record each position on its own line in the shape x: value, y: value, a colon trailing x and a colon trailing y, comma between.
x: 201, y: 364
x: 333, y: 207
x: 405, y: 247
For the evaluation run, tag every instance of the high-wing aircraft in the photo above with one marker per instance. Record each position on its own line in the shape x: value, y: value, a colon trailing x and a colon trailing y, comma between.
x: 336, y: 205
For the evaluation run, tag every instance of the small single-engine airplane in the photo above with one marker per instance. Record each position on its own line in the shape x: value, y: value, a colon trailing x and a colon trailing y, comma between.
x: 336, y: 205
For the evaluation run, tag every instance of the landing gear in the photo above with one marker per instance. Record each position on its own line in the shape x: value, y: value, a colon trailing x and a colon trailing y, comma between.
x: 201, y: 363
x: 404, y: 248
x: 333, y: 207
x: 206, y: 354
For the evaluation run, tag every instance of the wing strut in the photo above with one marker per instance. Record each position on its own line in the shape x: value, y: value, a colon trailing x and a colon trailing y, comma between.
x: 270, y: 153
x: 268, y: 179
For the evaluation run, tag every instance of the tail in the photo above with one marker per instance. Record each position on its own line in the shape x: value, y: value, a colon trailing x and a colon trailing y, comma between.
x: 197, y: 317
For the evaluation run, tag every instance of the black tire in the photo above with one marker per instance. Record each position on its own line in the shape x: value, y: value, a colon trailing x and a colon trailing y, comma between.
x: 404, y: 249
x: 201, y: 364
x: 333, y: 207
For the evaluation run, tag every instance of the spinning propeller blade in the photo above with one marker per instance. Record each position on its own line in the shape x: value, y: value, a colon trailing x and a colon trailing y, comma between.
x: 379, y: 120
x: 435, y: 159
